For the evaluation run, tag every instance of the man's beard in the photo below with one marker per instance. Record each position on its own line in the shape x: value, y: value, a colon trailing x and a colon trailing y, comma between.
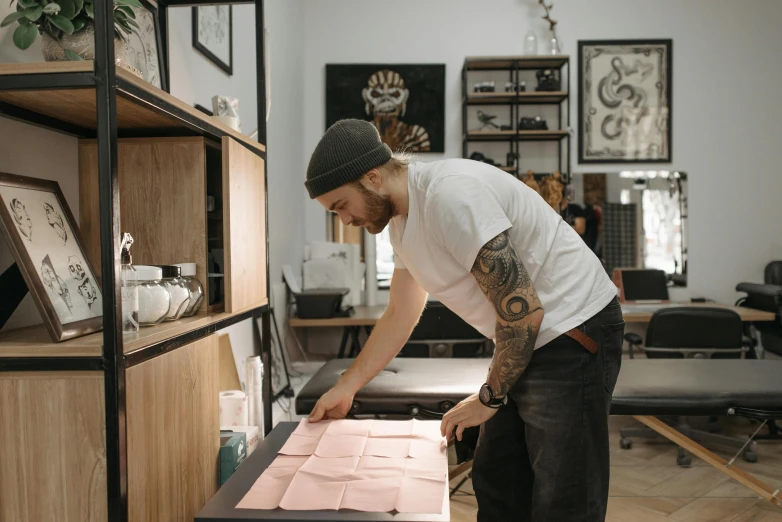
x: 379, y: 210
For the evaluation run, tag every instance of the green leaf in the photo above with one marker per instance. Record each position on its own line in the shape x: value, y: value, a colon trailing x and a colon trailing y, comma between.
x: 25, y: 35
x: 13, y: 17
x: 24, y: 20
x: 127, y: 10
x: 26, y: 4
x: 72, y: 56
x: 52, y: 8
x: 90, y: 10
x: 78, y: 24
x: 33, y: 13
x: 61, y: 23
x: 134, y: 3
x: 119, y: 15
x: 79, y: 5
x: 68, y: 9
x: 133, y: 23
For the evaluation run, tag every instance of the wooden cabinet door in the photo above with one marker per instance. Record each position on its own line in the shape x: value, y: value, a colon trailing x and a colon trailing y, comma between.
x: 173, y: 428
x: 244, y: 222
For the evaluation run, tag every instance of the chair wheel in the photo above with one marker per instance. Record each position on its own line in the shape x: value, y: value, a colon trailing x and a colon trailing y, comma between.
x: 750, y: 456
x: 684, y: 461
x: 625, y: 444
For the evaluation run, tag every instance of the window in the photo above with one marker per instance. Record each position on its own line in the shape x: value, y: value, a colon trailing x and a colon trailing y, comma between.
x: 384, y: 260
x: 662, y: 229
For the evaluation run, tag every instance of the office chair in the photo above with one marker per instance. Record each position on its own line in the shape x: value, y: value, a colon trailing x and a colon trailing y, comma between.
x: 690, y: 332
x: 767, y: 297
x: 442, y: 333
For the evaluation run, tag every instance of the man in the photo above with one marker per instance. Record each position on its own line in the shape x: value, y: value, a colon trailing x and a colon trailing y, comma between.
x: 494, y: 252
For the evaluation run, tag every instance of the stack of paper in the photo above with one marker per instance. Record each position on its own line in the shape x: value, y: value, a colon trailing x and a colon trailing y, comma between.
x: 364, y: 465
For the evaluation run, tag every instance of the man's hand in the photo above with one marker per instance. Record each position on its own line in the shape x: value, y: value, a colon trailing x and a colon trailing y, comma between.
x: 468, y: 413
x: 334, y: 404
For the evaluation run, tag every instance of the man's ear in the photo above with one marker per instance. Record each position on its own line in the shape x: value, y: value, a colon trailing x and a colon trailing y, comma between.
x: 374, y: 178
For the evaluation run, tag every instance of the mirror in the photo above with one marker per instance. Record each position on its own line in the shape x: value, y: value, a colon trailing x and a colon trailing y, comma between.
x: 633, y: 219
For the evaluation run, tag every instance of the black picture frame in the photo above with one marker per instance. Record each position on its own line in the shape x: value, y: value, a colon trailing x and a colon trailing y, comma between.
x: 227, y: 67
x: 160, y: 40
x: 25, y: 242
x: 418, y: 128
x: 653, y: 60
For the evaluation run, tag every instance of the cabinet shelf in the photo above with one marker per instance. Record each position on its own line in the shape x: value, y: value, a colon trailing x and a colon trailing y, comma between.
x: 510, y: 135
x: 61, y: 95
x: 34, y: 341
x: 503, y: 63
x: 522, y: 98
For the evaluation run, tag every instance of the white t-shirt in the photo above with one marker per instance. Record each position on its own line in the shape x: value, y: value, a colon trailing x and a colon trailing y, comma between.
x: 456, y: 207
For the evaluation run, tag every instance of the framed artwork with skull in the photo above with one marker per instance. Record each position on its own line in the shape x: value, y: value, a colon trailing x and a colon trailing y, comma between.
x: 405, y: 102
x: 44, y: 240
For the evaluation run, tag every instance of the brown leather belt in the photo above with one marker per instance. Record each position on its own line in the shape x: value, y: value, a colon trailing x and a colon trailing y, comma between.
x: 583, y: 339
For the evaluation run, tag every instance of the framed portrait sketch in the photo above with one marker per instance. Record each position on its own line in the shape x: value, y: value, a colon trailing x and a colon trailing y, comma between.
x: 624, y: 101
x: 145, y: 47
x: 213, y: 34
x: 44, y: 240
x: 405, y: 102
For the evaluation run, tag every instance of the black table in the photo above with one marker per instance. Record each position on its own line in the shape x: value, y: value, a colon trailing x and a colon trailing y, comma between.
x: 222, y: 507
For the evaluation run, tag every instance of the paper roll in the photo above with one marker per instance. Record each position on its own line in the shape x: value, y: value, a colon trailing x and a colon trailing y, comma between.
x: 254, y: 387
x: 233, y: 408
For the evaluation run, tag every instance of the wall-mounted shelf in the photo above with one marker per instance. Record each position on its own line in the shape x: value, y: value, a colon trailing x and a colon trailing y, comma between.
x: 61, y: 96
x: 510, y: 135
x: 504, y: 63
x: 522, y: 98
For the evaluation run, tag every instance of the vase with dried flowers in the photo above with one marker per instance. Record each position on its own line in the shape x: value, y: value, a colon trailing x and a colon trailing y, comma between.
x: 554, y: 41
x: 67, y: 28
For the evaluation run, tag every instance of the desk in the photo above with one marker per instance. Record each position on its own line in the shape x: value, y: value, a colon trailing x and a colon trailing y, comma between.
x: 222, y: 507
x: 367, y: 317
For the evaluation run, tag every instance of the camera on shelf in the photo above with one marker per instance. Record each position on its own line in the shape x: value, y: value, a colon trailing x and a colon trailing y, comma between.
x: 548, y: 80
x: 515, y: 87
x: 484, y: 87
x: 536, y: 123
x: 479, y: 156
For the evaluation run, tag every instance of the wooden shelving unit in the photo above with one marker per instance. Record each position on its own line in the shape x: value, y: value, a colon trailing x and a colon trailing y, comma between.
x: 476, y: 66
x: 127, y: 426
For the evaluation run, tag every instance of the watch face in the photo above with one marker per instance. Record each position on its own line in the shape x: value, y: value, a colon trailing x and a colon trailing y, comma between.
x: 485, y: 394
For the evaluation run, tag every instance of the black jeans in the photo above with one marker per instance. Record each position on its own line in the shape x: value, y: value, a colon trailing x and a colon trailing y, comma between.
x: 544, y: 456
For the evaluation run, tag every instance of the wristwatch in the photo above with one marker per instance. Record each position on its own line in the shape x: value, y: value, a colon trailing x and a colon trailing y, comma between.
x: 487, y: 398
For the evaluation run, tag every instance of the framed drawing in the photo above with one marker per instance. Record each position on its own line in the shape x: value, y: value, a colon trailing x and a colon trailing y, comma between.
x: 405, y: 102
x: 213, y: 34
x: 145, y: 47
x: 44, y: 240
x: 624, y: 101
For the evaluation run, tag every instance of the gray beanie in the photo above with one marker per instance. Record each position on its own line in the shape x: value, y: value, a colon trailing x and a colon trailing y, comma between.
x: 349, y: 149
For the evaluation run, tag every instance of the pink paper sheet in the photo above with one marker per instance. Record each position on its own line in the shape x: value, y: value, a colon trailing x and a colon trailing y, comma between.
x: 370, y: 465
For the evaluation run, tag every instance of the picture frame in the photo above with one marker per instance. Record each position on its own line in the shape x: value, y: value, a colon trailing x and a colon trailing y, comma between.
x: 145, y: 46
x: 625, y: 101
x: 404, y: 101
x: 213, y: 34
x: 45, y: 242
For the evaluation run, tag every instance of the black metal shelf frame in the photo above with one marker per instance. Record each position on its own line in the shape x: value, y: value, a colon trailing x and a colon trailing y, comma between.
x: 515, y: 66
x: 113, y: 361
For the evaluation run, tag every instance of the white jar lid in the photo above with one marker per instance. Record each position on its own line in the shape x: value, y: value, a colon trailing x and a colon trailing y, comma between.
x: 148, y: 273
x: 188, y: 269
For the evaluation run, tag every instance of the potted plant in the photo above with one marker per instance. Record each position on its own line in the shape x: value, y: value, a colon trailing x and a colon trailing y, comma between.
x: 67, y: 27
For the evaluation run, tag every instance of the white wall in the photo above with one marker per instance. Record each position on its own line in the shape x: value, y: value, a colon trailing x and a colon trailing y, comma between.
x: 726, y: 107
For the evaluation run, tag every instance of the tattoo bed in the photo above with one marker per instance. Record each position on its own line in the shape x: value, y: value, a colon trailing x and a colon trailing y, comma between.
x: 427, y: 388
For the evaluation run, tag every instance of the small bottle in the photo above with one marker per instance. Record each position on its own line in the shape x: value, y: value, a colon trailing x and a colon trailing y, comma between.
x: 129, y: 288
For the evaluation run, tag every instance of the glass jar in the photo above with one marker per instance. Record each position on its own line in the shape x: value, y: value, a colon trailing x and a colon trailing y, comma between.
x: 154, y: 300
x: 177, y: 288
x: 194, y: 286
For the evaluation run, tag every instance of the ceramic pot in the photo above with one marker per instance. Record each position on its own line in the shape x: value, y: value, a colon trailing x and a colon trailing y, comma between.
x: 83, y: 44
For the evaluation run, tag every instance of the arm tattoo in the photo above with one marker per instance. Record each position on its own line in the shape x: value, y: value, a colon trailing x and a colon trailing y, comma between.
x: 508, y: 286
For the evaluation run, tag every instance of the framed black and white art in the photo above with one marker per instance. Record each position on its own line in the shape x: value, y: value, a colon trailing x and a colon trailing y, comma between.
x: 624, y: 101
x: 44, y: 240
x: 145, y: 47
x: 213, y: 34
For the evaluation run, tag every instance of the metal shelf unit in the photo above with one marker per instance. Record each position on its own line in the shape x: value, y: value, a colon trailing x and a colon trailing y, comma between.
x: 513, y: 65
x: 105, y: 95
